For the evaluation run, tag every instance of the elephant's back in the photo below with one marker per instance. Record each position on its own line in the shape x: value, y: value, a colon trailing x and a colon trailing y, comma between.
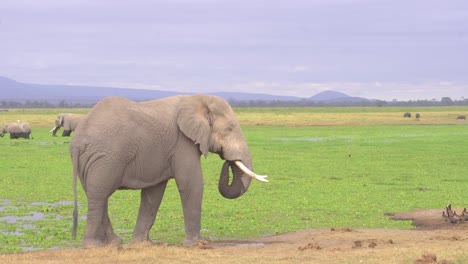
x: 19, y: 127
x: 110, y: 125
x: 26, y: 127
x: 106, y: 117
x: 112, y: 104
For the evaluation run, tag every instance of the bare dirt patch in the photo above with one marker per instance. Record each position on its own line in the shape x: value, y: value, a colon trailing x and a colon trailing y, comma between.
x: 434, y: 240
x: 431, y: 219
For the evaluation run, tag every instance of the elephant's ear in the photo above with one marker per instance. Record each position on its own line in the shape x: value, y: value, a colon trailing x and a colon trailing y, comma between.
x: 194, y: 120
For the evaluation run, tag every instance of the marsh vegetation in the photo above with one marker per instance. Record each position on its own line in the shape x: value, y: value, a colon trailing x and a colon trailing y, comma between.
x: 328, y: 168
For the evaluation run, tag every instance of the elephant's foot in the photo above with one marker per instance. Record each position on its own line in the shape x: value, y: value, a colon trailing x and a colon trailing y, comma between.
x: 108, y: 241
x: 141, y: 238
x: 140, y: 242
x: 92, y: 243
x: 197, y: 241
x: 201, y: 244
x: 113, y: 241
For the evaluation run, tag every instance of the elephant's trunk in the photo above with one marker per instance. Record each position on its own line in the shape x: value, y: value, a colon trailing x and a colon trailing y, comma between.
x: 240, y: 182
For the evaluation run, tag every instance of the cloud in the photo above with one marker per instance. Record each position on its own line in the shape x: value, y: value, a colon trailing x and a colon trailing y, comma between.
x: 376, y: 49
x: 130, y: 85
x: 300, y: 69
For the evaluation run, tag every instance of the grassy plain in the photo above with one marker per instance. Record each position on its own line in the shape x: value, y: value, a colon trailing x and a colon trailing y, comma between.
x: 328, y: 167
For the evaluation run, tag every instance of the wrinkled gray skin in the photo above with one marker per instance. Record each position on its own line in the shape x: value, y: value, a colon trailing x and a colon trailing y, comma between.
x: 17, y: 130
x: 69, y: 122
x: 123, y: 144
x: 407, y: 114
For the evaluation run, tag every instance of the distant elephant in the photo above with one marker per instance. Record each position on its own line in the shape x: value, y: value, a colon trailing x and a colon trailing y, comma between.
x: 407, y: 114
x: 17, y: 130
x: 123, y: 144
x: 69, y: 122
x: 418, y: 115
x: 461, y: 117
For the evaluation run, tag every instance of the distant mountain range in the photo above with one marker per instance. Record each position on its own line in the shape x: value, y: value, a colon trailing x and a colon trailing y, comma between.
x: 11, y: 90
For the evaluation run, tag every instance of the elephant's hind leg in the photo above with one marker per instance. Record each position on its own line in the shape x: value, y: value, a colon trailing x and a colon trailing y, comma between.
x: 99, y: 231
x: 100, y: 174
x: 110, y: 238
x: 94, y: 235
x: 150, y: 200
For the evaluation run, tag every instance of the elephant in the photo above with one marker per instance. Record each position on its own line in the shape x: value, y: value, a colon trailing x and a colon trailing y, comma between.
x: 418, y: 115
x: 123, y: 144
x: 17, y: 130
x: 68, y: 121
x: 407, y: 114
x: 461, y: 117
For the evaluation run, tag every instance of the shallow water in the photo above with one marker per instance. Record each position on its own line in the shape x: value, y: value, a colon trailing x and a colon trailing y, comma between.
x: 10, y: 219
x: 32, y: 142
x: 26, y: 220
x: 14, y: 233
x: 53, y: 204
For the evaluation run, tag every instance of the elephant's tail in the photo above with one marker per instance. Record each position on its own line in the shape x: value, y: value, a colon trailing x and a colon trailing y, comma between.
x: 75, y: 156
x: 75, y: 208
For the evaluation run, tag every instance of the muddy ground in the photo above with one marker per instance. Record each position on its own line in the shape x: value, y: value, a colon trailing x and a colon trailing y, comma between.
x: 434, y: 240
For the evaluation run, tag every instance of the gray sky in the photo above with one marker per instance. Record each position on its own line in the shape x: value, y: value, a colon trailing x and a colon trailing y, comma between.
x: 396, y: 49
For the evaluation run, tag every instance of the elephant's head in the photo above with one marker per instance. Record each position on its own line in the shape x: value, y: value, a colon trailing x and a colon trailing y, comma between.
x: 59, y: 120
x: 4, y: 130
x: 212, y: 124
x: 58, y: 124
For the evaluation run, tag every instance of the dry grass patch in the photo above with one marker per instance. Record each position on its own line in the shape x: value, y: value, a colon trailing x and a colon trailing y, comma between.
x: 284, y: 116
x: 36, y: 117
x: 309, y: 246
x: 344, y: 119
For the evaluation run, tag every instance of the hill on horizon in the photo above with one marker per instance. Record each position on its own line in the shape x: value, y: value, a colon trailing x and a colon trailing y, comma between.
x: 335, y: 97
x: 12, y: 90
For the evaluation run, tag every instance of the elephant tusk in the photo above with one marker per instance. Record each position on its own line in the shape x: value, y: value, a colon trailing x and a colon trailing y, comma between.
x: 250, y: 173
x: 52, y: 129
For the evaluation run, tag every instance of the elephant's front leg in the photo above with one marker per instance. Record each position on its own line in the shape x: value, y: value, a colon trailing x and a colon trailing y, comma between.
x: 66, y: 133
x: 189, y: 181
x: 150, y: 201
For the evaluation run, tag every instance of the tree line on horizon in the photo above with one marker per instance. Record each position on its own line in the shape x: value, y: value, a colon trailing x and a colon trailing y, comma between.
x: 445, y: 101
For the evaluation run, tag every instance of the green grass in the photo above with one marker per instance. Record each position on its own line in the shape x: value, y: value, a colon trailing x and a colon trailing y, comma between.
x: 320, y: 177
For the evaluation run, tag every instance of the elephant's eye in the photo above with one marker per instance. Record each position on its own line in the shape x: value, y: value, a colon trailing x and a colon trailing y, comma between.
x: 229, y: 129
